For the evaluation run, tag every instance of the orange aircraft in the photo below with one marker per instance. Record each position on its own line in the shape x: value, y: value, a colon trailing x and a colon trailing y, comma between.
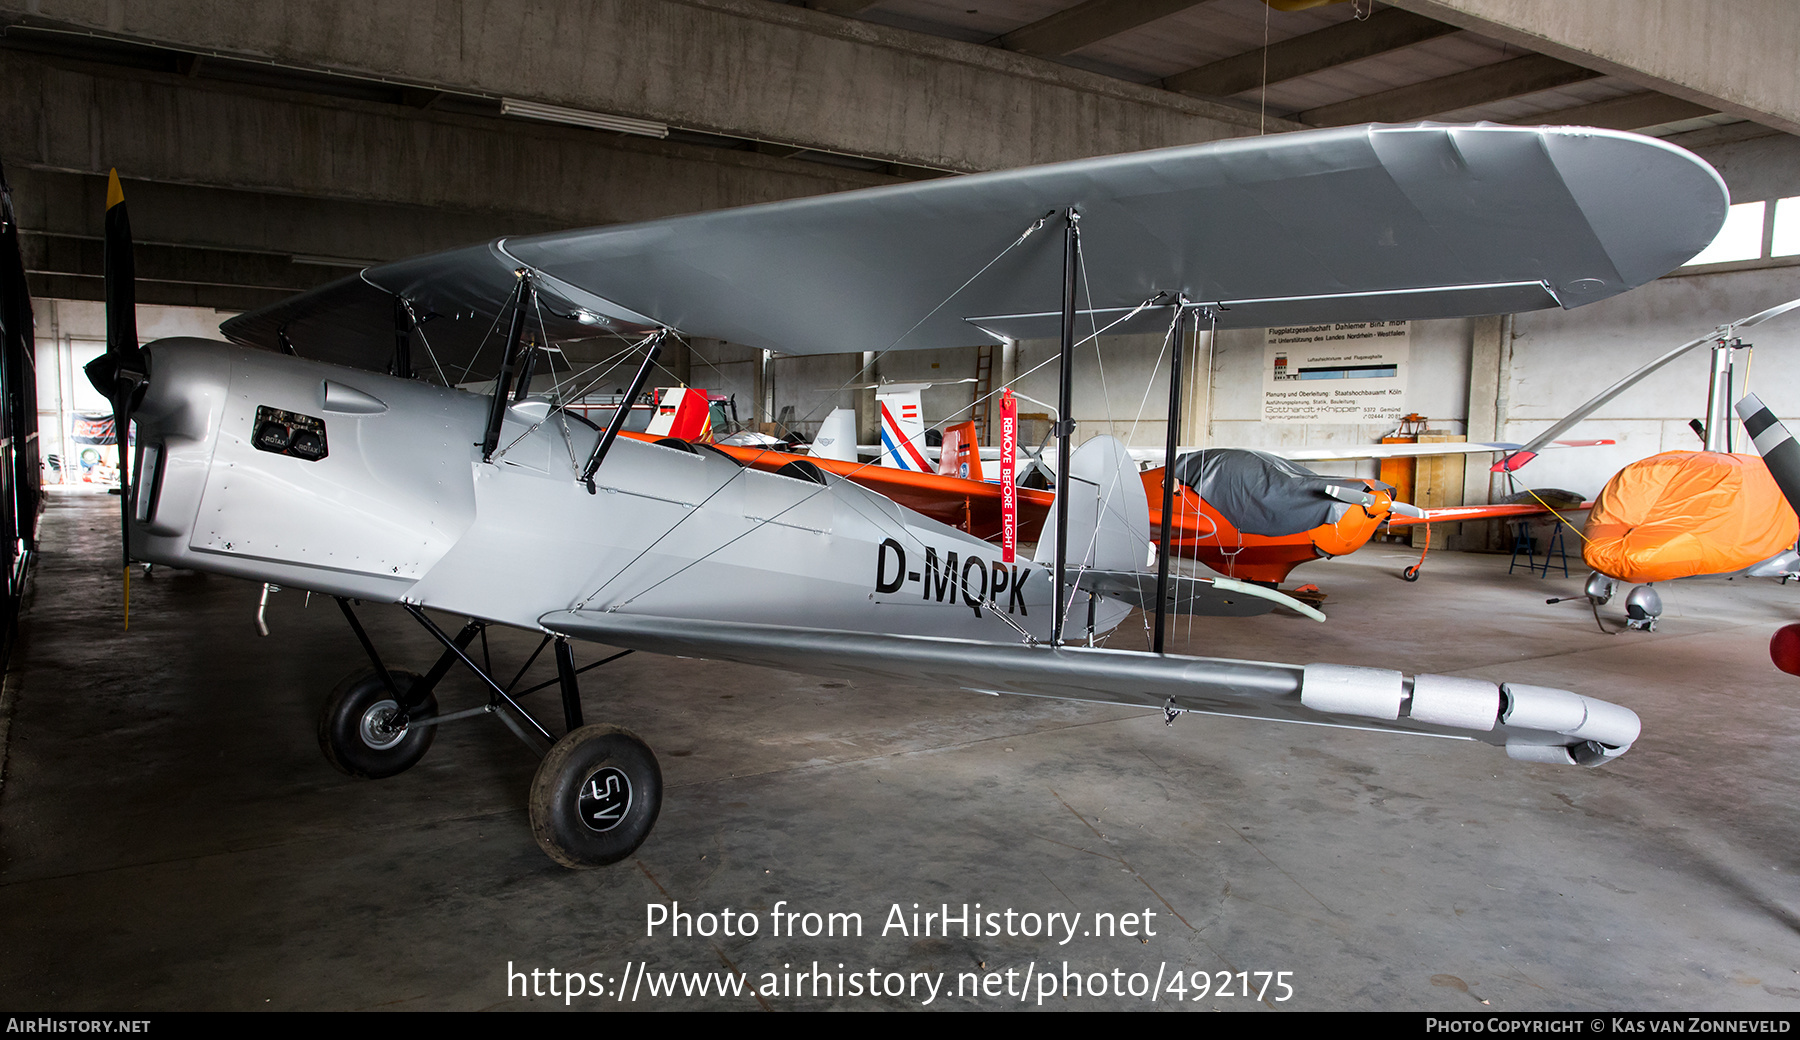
x: 1684, y: 513
x: 1318, y: 517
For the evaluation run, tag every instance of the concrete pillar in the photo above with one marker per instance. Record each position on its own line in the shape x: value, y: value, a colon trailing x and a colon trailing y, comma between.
x: 765, y: 391
x: 868, y: 415
x: 1197, y: 395
x: 1489, y: 355
x: 677, y: 362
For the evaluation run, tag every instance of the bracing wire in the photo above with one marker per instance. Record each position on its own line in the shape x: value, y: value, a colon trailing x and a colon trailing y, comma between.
x: 1037, y: 224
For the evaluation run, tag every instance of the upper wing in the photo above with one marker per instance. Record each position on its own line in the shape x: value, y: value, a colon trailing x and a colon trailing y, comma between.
x: 1349, y: 224
x: 1533, y: 723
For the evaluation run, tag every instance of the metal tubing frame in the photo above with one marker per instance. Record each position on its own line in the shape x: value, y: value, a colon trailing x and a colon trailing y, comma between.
x: 571, y: 689
x: 441, y: 667
x: 522, y: 301
x: 402, y: 339
x: 526, y: 371
x: 584, y: 668
x: 605, y: 443
x: 498, y: 696
x: 368, y: 646
x: 1168, y: 496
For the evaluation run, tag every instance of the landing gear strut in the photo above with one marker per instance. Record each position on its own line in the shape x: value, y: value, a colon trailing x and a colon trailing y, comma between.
x: 597, y: 791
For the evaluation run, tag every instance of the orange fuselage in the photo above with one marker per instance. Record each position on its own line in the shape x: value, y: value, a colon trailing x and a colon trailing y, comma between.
x: 1201, y: 533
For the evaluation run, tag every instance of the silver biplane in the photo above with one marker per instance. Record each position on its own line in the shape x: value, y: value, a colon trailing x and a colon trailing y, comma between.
x: 313, y: 452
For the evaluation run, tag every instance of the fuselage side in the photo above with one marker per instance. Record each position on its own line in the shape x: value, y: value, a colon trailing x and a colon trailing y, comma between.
x: 358, y: 484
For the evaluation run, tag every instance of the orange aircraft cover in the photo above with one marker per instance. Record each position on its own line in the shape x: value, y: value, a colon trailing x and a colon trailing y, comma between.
x: 1683, y: 513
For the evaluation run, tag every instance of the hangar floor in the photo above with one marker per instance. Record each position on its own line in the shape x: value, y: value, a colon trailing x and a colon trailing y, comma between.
x: 173, y: 838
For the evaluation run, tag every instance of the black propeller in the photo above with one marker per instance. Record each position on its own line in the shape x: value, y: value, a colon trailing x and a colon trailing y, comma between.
x: 1782, y: 454
x: 1778, y: 447
x: 121, y: 372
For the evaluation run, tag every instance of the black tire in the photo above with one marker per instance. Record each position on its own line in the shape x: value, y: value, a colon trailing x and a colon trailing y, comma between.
x: 352, y: 732
x: 595, y: 797
x: 802, y: 469
x: 1410, y: 574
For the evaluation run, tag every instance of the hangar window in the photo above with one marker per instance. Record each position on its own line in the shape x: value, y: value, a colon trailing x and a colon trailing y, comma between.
x: 1740, y: 239
x: 1786, y: 241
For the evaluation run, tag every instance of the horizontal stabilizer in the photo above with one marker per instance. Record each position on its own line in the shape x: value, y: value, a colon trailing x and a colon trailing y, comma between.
x: 1532, y: 723
x: 1209, y: 597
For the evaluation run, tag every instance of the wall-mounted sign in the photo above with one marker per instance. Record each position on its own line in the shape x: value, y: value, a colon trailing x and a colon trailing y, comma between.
x: 1352, y: 372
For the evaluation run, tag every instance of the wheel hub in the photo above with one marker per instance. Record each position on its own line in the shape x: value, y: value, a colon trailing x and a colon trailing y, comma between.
x: 604, y: 799
x: 377, y: 726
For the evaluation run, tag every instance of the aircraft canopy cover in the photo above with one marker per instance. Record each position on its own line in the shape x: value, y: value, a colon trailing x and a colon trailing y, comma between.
x: 1684, y: 513
x: 1261, y: 493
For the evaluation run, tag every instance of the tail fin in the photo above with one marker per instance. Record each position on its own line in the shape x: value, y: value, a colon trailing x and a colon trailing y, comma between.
x: 960, y: 455
x: 1109, y: 516
x: 837, y: 436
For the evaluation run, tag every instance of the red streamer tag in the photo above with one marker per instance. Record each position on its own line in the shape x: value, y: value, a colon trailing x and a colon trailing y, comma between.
x: 1009, y: 491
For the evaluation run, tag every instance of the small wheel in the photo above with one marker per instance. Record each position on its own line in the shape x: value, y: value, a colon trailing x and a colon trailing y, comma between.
x: 356, y: 731
x: 595, y: 797
x: 1410, y: 574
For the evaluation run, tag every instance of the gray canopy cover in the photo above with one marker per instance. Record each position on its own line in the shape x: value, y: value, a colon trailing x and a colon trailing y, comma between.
x: 1261, y: 493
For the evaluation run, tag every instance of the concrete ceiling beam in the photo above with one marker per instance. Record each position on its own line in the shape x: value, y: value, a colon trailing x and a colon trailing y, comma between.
x: 743, y: 68
x: 1734, y: 56
x: 1630, y: 112
x: 843, y: 7
x: 1480, y: 86
x: 69, y: 256
x: 190, y: 216
x: 1071, y: 29
x: 171, y: 294
x: 1385, y: 30
x: 55, y: 116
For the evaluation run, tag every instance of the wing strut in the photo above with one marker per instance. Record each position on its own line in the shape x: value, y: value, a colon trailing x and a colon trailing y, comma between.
x: 523, y: 299
x: 1065, y: 426
x: 604, y: 445
x: 1174, y: 343
x: 403, y: 367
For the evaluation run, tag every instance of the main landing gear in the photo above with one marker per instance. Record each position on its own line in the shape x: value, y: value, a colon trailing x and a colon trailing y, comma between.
x: 597, y: 791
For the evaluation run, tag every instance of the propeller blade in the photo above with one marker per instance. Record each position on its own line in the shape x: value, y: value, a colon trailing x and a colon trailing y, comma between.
x: 1775, y: 444
x: 1350, y: 495
x: 121, y: 274
x: 120, y: 372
